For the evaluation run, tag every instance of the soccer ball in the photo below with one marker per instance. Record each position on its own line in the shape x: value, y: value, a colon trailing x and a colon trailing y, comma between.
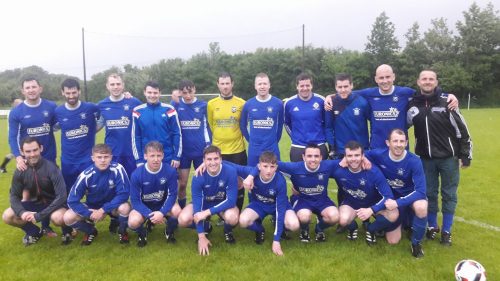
x: 469, y: 270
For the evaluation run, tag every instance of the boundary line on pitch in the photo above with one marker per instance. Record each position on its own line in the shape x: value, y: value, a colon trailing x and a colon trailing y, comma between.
x: 478, y: 224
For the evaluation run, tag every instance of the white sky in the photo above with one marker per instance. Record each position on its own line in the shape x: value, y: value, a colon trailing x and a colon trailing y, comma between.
x: 48, y: 33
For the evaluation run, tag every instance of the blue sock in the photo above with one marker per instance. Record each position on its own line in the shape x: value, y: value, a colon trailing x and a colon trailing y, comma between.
x: 141, y: 230
x: 321, y: 225
x: 380, y: 223
x: 83, y: 226
x: 419, y: 225
x: 353, y: 225
x: 182, y: 202
x: 432, y: 219
x: 304, y: 226
x: 122, y: 228
x: 45, y: 223
x: 66, y: 230
x: 228, y: 228
x: 447, y: 222
x: 31, y: 229
x: 255, y: 226
x: 171, y: 224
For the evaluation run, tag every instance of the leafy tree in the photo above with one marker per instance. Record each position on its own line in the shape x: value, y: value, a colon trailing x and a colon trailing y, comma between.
x: 440, y: 42
x: 382, y: 46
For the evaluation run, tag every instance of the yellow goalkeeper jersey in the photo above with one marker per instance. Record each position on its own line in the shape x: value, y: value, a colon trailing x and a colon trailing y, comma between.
x: 224, y: 120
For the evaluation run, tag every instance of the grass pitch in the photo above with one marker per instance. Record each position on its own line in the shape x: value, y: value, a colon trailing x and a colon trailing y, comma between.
x: 475, y: 236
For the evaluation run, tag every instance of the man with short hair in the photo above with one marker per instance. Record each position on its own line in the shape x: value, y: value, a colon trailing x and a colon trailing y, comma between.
x: 153, y: 191
x: 175, y: 96
x: 156, y: 121
x: 32, y: 118
x: 44, y: 182
x: 214, y: 192
x: 305, y: 119
x: 405, y: 175
x: 105, y: 186
x: 224, y: 113
x: 267, y: 197
x: 9, y: 156
x: 78, y: 123
x: 195, y: 131
x: 262, y: 121
x: 443, y: 142
x: 116, y: 111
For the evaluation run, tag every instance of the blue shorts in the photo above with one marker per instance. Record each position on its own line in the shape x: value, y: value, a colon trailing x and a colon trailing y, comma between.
x: 264, y: 210
x: 405, y: 213
x: 186, y: 161
x: 356, y: 204
x: 128, y: 163
x: 34, y: 206
x: 315, y: 206
x: 71, y: 172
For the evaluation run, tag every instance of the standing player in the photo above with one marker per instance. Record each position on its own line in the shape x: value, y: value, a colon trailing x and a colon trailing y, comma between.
x: 214, y: 192
x: 404, y: 173
x: 78, y: 123
x: 153, y: 190
x: 175, y: 96
x: 224, y: 113
x: 105, y: 186
x: 156, y: 121
x: 10, y: 156
x: 267, y: 197
x: 365, y: 191
x: 116, y: 112
x: 262, y: 121
x: 195, y: 131
x: 305, y: 119
x: 444, y: 145
x: 44, y: 182
x: 32, y: 118
x: 310, y: 182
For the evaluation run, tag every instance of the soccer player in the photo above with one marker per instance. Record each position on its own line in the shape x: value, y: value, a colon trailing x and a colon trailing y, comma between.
x: 214, y: 192
x: 32, y: 118
x: 388, y: 104
x: 45, y: 184
x: 305, y: 119
x: 405, y: 175
x: 156, y: 121
x: 348, y: 120
x: 192, y: 115
x: 78, y: 123
x: 262, y: 121
x: 310, y: 181
x: 443, y: 142
x: 116, y: 112
x: 267, y: 197
x: 105, y: 186
x: 224, y: 113
x: 153, y: 191
x: 365, y: 191
x: 175, y: 96
x: 10, y: 156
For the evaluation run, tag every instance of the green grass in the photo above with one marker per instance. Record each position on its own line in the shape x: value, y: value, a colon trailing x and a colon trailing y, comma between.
x: 337, y: 259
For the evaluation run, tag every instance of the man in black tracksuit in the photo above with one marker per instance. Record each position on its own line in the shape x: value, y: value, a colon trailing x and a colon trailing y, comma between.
x: 44, y: 181
x: 443, y: 142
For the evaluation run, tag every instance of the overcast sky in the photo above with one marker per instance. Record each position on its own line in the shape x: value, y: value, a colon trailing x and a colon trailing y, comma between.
x: 49, y: 33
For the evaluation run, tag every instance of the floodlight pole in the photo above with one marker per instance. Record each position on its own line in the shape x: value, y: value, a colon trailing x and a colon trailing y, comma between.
x: 85, y: 92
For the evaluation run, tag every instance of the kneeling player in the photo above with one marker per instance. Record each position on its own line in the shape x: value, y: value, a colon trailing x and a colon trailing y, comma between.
x: 267, y: 197
x: 405, y: 174
x: 365, y: 192
x: 213, y: 192
x: 153, y: 191
x: 105, y: 185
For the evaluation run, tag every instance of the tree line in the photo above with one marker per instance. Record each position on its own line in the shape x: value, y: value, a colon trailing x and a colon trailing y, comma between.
x: 466, y: 62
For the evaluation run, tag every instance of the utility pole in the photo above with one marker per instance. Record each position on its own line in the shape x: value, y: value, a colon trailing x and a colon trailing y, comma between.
x: 303, y: 47
x: 85, y: 92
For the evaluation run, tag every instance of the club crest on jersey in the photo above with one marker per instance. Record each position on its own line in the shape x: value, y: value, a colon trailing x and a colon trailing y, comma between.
x: 45, y: 113
x: 356, y: 111
x: 315, y: 106
x: 126, y: 107
x: 401, y: 171
x: 270, y: 109
x: 395, y: 99
x: 233, y: 109
x: 320, y: 177
x: 196, y: 109
x: 83, y: 115
x: 111, y: 183
x: 362, y: 182
x: 221, y: 183
x: 272, y: 192
x: 163, y: 180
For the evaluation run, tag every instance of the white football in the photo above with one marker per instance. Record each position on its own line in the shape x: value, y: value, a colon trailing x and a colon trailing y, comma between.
x: 469, y: 270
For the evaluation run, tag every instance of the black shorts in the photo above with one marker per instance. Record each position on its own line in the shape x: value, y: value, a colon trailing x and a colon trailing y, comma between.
x: 239, y: 158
